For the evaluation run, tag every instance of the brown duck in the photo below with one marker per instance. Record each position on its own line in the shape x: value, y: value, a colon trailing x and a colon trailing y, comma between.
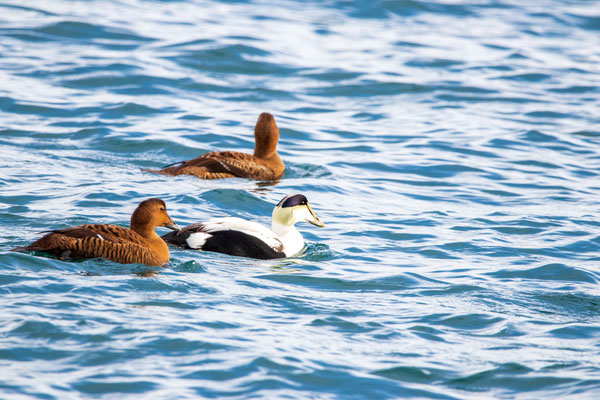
x: 265, y: 164
x: 138, y: 244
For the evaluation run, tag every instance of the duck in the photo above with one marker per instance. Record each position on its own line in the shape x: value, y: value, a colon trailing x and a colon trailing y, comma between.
x: 238, y: 237
x: 265, y: 164
x: 138, y: 244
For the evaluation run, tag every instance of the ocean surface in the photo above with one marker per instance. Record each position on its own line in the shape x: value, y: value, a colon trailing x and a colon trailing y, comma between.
x: 452, y: 148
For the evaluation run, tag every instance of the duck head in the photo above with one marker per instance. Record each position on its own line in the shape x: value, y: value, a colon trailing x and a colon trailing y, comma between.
x: 294, y: 208
x: 151, y: 214
x: 266, y: 136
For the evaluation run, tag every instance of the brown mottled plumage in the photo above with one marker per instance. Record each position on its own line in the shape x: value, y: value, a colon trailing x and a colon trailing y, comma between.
x: 138, y: 244
x: 265, y: 164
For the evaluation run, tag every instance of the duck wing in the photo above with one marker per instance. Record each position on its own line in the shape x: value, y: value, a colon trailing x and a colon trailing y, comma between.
x: 231, y: 162
x: 111, y: 233
x: 111, y: 242
x: 241, y: 225
x: 230, y: 235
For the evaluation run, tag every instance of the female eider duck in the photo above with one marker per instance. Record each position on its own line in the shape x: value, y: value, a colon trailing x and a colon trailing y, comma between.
x: 138, y: 244
x: 238, y: 237
x: 264, y: 165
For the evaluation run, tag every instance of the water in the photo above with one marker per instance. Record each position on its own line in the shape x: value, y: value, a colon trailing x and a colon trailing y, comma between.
x: 451, y: 148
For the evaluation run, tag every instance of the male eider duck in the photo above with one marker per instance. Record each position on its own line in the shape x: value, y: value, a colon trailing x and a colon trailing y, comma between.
x: 138, y: 244
x: 238, y: 237
x: 264, y: 165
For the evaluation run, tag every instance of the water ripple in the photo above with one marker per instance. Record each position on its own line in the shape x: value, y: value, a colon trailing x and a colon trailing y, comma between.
x: 451, y: 149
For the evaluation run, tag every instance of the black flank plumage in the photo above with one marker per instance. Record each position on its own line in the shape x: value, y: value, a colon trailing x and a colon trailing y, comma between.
x: 234, y: 243
x: 178, y: 238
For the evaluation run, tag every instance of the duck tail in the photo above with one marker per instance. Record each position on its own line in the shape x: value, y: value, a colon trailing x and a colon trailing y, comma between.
x: 165, y: 170
x: 22, y: 249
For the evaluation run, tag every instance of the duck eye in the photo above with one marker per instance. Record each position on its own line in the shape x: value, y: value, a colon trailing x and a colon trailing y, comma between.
x: 162, y: 209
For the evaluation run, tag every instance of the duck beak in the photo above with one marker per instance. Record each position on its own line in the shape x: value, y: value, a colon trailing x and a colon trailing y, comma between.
x: 315, y: 221
x: 171, y: 225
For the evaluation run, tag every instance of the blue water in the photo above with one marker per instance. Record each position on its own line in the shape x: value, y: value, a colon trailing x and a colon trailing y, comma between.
x: 451, y: 148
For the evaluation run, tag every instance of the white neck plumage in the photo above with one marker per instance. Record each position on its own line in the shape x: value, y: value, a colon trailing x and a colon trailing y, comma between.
x: 289, y: 236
